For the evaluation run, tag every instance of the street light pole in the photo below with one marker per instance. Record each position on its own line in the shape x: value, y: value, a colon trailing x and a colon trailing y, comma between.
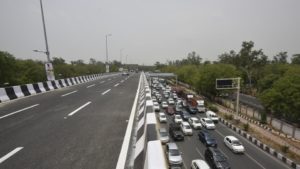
x: 121, y: 56
x: 107, y: 65
x: 48, y: 65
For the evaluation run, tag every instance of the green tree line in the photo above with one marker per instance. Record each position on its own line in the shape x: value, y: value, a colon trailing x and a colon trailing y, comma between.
x: 275, y: 81
x: 15, y: 71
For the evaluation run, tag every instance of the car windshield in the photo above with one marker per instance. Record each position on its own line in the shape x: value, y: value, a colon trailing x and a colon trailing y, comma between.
x: 196, y: 121
x: 209, y: 121
x: 187, y: 127
x: 163, y: 116
x: 177, y: 117
x: 163, y: 134
x: 236, y: 143
x: 220, y: 158
x: 174, y: 152
x: 210, y: 139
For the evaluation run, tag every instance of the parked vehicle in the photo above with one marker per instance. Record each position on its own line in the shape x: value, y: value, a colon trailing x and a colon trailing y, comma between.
x: 212, y: 115
x: 156, y: 106
x: 186, y: 128
x: 216, y: 159
x: 175, y: 132
x: 173, y: 155
x: 185, y: 115
x: 162, y: 117
x: 164, y: 104
x: 170, y: 101
x: 177, y: 119
x: 199, y: 164
x: 163, y: 135
x: 234, y: 144
x: 192, y: 110
x: 195, y: 123
x: 207, y: 139
x: 207, y: 123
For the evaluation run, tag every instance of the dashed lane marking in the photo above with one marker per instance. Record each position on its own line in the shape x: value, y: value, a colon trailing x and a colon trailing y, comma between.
x: 69, y: 93
x: 7, y: 156
x: 18, y: 111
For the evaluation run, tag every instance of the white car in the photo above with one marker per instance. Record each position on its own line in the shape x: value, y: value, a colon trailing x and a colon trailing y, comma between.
x: 212, y: 115
x: 234, y: 144
x: 199, y: 164
x: 177, y: 119
x: 162, y: 117
x: 195, y: 123
x: 207, y: 123
x: 171, y: 101
x: 186, y: 128
x: 164, y: 104
x: 156, y: 106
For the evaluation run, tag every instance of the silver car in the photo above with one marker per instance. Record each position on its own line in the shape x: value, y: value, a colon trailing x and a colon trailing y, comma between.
x: 164, y: 135
x: 173, y: 155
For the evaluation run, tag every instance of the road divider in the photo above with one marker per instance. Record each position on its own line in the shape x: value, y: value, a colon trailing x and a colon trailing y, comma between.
x: 20, y: 91
x: 7, y: 156
x: 81, y: 107
x: 69, y: 93
x: 18, y: 111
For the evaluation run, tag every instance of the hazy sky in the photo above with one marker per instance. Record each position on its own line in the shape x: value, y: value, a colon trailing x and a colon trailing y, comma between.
x: 148, y: 30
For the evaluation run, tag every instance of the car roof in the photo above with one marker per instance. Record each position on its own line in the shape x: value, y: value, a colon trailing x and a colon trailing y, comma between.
x: 162, y: 130
x: 232, y: 137
x: 216, y: 151
x: 194, y: 118
x: 161, y: 113
x: 172, y: 146
x: 185, y: 123
x: 201, y: 163
x: 205, y: 118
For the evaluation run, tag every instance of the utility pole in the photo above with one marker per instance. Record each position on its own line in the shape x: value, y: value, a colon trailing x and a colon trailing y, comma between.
x: 107, y: 64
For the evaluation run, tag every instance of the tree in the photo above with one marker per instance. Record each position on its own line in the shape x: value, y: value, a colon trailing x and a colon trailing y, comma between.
x: 280, y: 58
x: 8, y: 67
x: 92, y: 61
x: 58, y: 61
x: 296, y: 59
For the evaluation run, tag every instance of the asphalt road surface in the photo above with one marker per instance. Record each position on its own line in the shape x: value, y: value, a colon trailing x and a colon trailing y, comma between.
x: 254, y: 158
x: 79, y: 127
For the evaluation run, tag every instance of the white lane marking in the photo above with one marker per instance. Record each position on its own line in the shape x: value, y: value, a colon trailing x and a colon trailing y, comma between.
x: 108, y: 79
x: 102, y: 82
x: 7, y: 156
x: 199, y: 153
x: 116, y: 85
x: 125, y: 144
x: 81, y: 107
x: 121, y: 81
x: 18, y: 111
x: 106, y: 92
x: 69, y: 93
x: 91, y: 85
x: 255, y: 161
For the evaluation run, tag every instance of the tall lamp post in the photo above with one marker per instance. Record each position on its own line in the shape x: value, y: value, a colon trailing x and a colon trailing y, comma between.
x: 107, y: 64
x: 48, y: 65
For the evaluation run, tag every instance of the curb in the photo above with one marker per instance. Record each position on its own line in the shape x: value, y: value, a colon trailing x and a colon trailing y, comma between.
x: 261, y: 145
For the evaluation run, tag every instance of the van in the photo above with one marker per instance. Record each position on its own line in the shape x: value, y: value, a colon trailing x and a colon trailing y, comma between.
x: 212, y: 115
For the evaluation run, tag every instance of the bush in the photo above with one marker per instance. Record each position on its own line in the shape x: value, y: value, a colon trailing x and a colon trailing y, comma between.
x: 213, y: 108
x: 263, y: 118
x: 228, y: 117
x: 246, y: 127
x: 285, y: 148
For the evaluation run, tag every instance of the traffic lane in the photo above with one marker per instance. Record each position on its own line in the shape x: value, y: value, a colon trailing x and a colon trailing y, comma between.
x: 86, y: 140
x: 15, y: 105
x: 54, y: 104
x: 46, y: 113
x: 253, y: 151
x: 24, y: 102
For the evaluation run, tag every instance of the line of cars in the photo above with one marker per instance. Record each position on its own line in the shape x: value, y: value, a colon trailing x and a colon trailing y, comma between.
x: 183, y: 124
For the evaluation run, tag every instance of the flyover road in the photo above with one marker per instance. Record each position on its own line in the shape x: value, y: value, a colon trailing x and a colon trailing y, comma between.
x: 79, y: 127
